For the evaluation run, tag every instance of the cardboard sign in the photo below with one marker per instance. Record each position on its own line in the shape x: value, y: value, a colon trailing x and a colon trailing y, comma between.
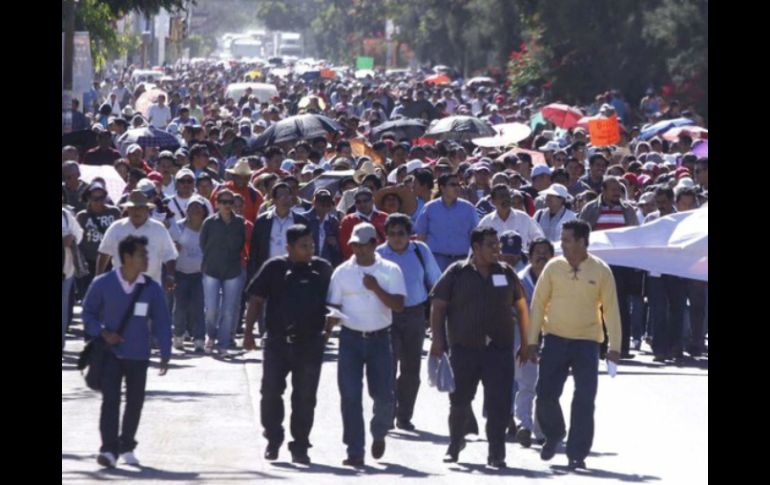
x: 360, y: 148
x: 604, y: 131
x: 328, y: 74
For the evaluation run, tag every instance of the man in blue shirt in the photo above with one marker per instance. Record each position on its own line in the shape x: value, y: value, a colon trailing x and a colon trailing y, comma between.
x: 107, y: 303
x: 446, y: 223
x: 408, y: 331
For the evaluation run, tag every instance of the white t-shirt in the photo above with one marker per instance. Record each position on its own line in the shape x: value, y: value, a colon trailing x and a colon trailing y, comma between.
x: 517, y: 221
x: 159, y: 117
x: 160, y: 247
x: 366, y: 311
x: 70, y: 227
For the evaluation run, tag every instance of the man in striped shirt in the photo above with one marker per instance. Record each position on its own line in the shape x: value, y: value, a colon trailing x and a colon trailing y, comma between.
x: 609, y: 211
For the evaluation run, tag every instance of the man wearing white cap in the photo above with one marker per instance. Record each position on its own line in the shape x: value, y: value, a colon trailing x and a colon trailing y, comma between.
x: 366, y: 289
x: 479, y: 188
x: 185, y: 189
x: 505, y: 218
x: 556, y: 213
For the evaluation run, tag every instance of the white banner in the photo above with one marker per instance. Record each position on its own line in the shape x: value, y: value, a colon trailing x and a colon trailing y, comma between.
x: 115, y: 184
x: 675, y: 245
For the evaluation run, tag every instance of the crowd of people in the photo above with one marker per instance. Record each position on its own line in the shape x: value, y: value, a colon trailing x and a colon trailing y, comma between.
x: 228, y: 233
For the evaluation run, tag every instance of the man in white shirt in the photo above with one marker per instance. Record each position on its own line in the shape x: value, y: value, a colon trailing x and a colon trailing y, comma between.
x: 159, y: 114
x: 366, y: 289
x: 504, y: 218
x: 555, y: 214
x: 185, y: 189
x: 160, y: 250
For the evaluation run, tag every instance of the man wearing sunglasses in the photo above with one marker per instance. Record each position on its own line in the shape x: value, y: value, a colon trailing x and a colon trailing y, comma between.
x: 185, y: 189
x: 365, y: 212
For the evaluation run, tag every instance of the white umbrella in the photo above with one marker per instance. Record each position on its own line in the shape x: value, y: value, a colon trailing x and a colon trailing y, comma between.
x: 507, y: 134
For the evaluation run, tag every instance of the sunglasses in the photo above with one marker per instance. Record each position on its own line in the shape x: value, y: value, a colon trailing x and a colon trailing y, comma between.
x: 226, y: 201
x: 185, y: 181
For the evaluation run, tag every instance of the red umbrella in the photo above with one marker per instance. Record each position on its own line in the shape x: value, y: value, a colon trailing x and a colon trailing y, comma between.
x: 695, y: 132
x: 562, y: 115
x: 438, y: 79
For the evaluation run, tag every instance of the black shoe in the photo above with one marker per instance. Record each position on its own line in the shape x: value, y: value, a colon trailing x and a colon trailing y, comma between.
x: 271, y: 453
x: 627, y: 356
x: 539, y: 441
x: 659, y: 358
x: 453, y: 452
x: 404, y: 424
x: 378, y: 448
x: 300, y: 457
x: 354, y: 462
x: 524, y: 437
x: 575, y: 464
x: 549, y: 449
x: 512, y: 429
x: 497, y: 463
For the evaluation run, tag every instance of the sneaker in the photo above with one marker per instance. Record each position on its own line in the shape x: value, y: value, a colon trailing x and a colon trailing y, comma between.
x: 627, y: 356
x: 378, y: 448
x: 129, y: 458
x: 179, y: 343
x: 637, y: 345
x: 106, y: 459
x: 524, y: 437
x: 209, y: 347
x: 199, y: 343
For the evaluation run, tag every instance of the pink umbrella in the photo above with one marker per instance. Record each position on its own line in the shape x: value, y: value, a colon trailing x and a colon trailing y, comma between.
x: 147, y: 99
x: 537, y: 157
x: 695, y: 132
x: 562, y: 115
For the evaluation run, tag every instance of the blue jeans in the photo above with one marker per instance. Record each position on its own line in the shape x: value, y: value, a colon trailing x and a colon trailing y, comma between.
x: 558, y: 356
x: 188, y: 305
x: 376, y: 354
x: 227, y: 304
x: 66, y: 288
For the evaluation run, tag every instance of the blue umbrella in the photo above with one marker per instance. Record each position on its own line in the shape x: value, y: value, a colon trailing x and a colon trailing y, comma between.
x: 663, y: 126
x: 148, y: 136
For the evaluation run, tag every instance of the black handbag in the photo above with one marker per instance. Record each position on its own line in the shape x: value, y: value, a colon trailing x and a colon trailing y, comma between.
x: 92, y: 356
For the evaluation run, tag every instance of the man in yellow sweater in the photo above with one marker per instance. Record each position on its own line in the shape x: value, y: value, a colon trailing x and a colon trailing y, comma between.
x: 570, y: 297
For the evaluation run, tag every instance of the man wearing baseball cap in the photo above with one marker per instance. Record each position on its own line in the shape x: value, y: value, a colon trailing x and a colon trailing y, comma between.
x: 367, y: 289
x: 555, y: 213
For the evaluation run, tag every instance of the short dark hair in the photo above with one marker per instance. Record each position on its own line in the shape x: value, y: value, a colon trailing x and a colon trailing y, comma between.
x: 297, y: 231
x: 687, y: 191
x: 703, y: 162
x: 479, y: 233
x: 398, y: 219
x: 279, y: 185
x: 128, y: 246
x: 198, y: 149
x: 374, y: 178
x: 443, y: 180
x: 273, y: 151
x: 290, y: 178
x: 579, y: 228
x: 499, y: 188
x: 342, y: 144
x: 609, y: 178
x: 541, y: 240
x: 225, y: 192
x: 597, y: 156
x: 667, y: 191
x: 202, y: 177
x: 524, y: 157
x: 424, y: 177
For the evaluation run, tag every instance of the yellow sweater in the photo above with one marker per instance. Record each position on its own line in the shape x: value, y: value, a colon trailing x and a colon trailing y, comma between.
x: 567, y: 304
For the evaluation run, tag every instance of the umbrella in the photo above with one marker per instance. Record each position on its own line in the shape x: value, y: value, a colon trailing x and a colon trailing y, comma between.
x: 441, y: 68
x: 459, y: 127
x: 507, y: 134
x: 537, y: 157
x: 329, y: 180
x: 701, y: 148
x: 82, y: 139
x: 663, y: 126
x: 305, y: 102
x: 438, y: 79
x: 295, y: 128
x: 692, y: 131
x: 403, y: 128
x: 147, y: 99
x: 148, y: 136
x: 481, y: 80
x: 562, y: 115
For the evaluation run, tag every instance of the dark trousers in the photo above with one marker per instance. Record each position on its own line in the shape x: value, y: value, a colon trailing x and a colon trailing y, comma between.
x: 135, y: 374
x: 696, y: 293
x: 303, y: 359
x: 558, y: 356
x: 374, y: 353
x: 667, y: 296
x: 188, y: 306
x: 623, y: 279
x: 494, y: 367
x: 407, y: 336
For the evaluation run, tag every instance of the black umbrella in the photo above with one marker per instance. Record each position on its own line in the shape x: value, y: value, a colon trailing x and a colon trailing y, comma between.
x: 295, y: 128
x: 329, y: 181
x: 82, y: 139
x: 403, y: 128
x: 459, y: 128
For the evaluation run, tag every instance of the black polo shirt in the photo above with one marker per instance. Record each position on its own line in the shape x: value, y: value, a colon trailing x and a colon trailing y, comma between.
x: 295, y: 294
x: 479, y: 307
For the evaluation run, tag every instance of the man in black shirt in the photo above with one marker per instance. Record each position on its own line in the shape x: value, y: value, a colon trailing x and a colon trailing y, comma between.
x: 477, y: 296
x: 295, y: 288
